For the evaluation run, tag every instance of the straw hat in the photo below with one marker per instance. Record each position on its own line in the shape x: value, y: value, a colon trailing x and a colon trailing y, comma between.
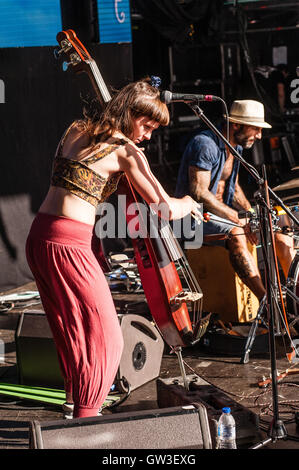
x: 248, y: 112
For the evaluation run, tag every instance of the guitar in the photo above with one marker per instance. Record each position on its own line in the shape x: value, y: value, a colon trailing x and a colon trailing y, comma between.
x: 162, y: 265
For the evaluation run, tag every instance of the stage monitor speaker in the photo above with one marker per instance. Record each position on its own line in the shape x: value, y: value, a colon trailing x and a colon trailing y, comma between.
x: 38, y: 363
x: 142, y: 355
x: 184, y: 427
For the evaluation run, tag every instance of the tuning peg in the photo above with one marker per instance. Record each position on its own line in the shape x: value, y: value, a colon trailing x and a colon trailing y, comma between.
x: 65, y: 66
x: 57, y: 53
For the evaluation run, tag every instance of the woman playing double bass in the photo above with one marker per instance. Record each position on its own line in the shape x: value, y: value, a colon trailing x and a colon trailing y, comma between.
x: 90, y: 159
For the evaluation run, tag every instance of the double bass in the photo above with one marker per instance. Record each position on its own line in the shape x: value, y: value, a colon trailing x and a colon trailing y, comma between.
x: 171, y: 289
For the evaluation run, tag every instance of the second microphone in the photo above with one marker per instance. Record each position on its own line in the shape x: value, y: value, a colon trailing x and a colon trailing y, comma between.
x: 169, y: 97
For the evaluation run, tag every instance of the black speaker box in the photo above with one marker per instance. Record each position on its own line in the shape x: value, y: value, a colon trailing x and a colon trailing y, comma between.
x: 172, y: 392
x: 169, y: 428
x: 37, y: 359
x: 38, y: 363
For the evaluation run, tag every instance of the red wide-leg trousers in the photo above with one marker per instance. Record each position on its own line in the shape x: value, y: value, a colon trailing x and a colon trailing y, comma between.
x: 79, y: 307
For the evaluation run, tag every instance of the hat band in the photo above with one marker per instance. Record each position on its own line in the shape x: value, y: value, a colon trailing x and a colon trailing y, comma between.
x: 247, y: 118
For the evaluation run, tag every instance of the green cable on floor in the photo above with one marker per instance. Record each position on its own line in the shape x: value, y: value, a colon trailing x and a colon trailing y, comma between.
x: 45, y: 395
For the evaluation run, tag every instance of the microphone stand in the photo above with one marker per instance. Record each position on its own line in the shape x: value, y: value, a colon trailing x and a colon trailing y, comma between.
x: 277, y: 428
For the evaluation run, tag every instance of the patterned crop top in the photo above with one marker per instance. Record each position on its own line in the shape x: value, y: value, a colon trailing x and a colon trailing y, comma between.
x: 79, y: 179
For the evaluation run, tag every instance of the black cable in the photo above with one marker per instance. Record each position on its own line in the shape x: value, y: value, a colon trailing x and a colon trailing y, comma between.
x: 264, y: 97
x: 126, y: 385
x: 11, y: 405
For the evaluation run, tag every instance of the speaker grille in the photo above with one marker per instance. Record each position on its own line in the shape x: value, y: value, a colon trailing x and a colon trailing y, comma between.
x: 139, y: 356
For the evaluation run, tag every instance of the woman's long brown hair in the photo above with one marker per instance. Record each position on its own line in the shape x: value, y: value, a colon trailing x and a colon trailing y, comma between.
x: 134, y: 100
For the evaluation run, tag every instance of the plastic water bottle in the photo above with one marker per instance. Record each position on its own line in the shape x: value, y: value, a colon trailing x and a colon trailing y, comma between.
x: 226, y: 430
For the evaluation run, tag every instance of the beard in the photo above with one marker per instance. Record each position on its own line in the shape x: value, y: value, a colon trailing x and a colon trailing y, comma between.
x: 244, y: 140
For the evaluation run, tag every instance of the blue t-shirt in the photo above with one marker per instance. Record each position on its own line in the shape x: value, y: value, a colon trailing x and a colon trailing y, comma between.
x: 207, y: 151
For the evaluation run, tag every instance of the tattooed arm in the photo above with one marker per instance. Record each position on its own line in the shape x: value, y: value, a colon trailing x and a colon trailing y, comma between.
x: 240, y: 202
x: 199, y: 190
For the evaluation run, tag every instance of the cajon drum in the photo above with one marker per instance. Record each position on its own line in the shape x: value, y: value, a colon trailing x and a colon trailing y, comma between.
x: 223, y: 291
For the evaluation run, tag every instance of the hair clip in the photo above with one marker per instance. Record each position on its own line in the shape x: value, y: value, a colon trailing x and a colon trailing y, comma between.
x: 155, y: 81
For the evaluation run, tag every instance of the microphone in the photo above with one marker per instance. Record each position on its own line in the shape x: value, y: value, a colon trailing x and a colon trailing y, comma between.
x: 169, y: 97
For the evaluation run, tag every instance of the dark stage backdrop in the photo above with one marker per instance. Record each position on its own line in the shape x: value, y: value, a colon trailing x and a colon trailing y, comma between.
x: 38, y: 101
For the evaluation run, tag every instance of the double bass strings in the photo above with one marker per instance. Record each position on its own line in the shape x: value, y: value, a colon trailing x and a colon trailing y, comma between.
x: 100, y: 82
x: 184, y: 269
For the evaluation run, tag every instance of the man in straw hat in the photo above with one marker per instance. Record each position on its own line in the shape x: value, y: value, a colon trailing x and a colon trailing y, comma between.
x: 209, y: 173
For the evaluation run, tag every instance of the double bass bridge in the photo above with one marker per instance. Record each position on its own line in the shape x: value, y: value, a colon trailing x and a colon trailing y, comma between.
x: 185, y: 296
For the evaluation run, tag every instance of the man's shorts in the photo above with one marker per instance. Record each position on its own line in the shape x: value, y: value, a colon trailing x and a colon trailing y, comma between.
x: 218, y: 226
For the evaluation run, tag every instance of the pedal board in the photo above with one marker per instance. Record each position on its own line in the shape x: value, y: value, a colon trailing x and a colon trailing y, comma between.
x: 172, y: 392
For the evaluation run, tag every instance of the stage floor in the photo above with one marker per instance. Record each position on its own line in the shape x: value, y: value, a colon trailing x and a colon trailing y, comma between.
x: 225, y: 373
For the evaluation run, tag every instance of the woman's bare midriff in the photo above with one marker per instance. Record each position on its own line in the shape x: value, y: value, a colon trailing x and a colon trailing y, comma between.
x: 61, y: 202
